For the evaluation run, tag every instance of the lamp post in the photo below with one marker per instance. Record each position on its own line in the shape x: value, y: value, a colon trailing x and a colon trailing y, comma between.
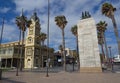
x: 48, y: 40
x: 0, y: 48
x: 1, y: 38
x: 2, y: 32
x: 111, y: 58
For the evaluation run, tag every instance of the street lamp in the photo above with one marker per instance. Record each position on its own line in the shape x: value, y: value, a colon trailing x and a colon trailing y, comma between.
x: 0, y: 48
x: 111, y: 58
x: 48, y: 40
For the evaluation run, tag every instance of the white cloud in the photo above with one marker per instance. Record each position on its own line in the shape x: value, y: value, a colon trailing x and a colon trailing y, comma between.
x: 4, y: 10
x: 29, y: 5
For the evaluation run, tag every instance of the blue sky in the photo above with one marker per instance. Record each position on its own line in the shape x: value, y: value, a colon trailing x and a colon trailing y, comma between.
x: 72, y: 9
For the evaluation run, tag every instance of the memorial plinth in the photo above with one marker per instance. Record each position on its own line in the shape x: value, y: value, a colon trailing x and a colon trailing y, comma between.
x: 88, y: 46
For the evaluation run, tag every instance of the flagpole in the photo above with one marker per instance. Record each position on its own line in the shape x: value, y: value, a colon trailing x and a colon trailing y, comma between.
x: 48, y: 41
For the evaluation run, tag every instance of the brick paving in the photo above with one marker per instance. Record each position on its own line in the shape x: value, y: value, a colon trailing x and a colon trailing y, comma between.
x: 60, y: 77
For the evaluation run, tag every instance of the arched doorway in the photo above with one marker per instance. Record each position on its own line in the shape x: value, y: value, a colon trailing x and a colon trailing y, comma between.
x: 29, y: 63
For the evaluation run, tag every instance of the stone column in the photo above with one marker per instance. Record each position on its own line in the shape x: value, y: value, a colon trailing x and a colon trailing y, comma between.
x: 6, y: 63
x: 11, y: 62
x: 88, y: 46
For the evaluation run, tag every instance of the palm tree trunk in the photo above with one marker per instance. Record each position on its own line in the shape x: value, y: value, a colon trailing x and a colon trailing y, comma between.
x: 64, y: 55
x: 103, y: 54
x: 105, y: 46
x: 22, y: 55
x: 116, y: 32
x: 104, y: 42
x: 78, y: 60
x: 19, y: 56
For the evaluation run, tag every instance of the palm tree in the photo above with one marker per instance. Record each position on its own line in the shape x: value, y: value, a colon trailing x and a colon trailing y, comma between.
x: 43, y: 36
x: 61, y: 22
x: 101, y: 27
x: 74, y: 32
x: 21, y: 22
x: 108, y: 10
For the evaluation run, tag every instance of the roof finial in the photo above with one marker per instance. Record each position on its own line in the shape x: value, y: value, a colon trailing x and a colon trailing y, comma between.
x: 34, y: 16
x: 35, y: 11
x: 22, y: 12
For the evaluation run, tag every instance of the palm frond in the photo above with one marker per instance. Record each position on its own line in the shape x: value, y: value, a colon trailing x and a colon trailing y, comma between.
x: 107, y: 9
x: 74, y: 30
x: 61, y: 21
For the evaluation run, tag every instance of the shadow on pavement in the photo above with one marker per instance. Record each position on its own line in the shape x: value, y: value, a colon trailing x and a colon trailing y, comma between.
x: 7, y: 80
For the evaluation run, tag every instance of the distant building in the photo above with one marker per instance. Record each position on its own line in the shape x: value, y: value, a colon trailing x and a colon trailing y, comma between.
x: 58, y: 59
x: 70, y: 54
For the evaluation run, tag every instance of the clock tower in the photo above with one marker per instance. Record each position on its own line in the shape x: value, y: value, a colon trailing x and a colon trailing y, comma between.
x: 32, y: 44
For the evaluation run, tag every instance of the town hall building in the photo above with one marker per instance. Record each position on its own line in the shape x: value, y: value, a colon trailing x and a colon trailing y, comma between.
x: 34, y: 54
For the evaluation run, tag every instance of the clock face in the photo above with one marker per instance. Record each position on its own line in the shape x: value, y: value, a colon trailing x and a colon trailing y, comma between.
x: 30, y: 39
x: 29, y: 51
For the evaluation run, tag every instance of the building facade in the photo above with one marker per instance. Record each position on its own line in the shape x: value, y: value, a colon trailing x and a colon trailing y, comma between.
x: 34, y: 55
x: 9, y: 54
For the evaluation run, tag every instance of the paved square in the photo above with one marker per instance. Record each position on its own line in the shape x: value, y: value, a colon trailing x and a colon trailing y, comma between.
x: 60, y: 77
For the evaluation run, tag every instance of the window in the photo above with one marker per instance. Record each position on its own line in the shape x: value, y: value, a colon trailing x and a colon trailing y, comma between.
x: 37, y: 51
x: 30, y: 31
x: 10, y: 50
x: 4, y: 51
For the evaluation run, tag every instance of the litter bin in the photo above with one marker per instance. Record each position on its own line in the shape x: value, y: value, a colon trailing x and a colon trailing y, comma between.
x: 0, y: 74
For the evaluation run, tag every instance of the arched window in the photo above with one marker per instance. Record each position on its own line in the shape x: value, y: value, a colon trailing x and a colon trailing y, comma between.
x: 30, y: 31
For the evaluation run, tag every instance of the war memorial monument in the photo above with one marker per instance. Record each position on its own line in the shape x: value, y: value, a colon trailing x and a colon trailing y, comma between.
x: 88, y: 45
